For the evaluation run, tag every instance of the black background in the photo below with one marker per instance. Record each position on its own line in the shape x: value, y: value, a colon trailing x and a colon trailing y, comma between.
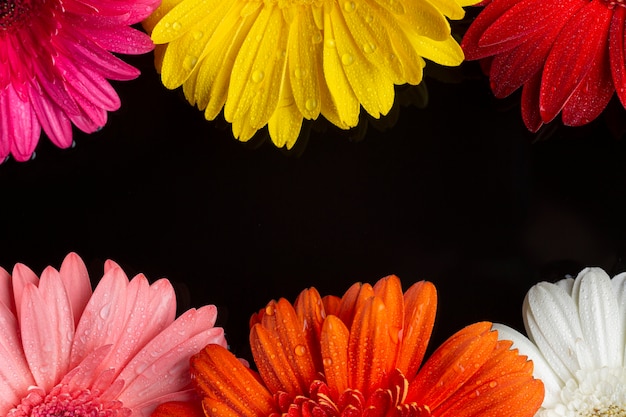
x: 456, y: 192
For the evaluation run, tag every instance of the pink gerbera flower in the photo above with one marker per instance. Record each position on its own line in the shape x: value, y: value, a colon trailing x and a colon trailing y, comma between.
x: 115, y: 353
x: 54, y: 64
x: 567, y: 54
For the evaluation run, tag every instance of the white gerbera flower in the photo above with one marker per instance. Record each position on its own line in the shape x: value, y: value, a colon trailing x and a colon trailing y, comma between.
x: 576, y: 339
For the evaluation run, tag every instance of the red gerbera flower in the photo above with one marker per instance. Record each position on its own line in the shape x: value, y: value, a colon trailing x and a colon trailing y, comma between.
x: 567, y: 54
x: 361, y: 356
x: 55, y: 61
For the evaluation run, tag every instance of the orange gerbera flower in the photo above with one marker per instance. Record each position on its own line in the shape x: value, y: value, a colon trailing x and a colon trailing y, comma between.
x: 360, y: 356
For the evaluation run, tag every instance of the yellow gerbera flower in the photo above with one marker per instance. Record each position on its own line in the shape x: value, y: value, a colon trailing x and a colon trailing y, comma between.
x: 275, y: 62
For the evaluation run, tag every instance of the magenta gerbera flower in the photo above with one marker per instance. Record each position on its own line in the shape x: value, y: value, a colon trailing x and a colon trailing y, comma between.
x: 55, y: 61
x: 567, y: 54
x: 118, y: 352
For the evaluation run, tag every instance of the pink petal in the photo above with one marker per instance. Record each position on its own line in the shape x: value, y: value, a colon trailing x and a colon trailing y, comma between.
x: 76, y: 280
x: 15, y: 375
x: 19, y: 128
x: 616, y: 52
x: 47, y: 329
x: 530, y: 103
x: 572, y: 56
x: 6, y: 290
x: 149, y: 310
x: 53, y: 120
x: 83, y: 375
x: 592, y: 94
x: 22, y: 276
x: 102, y: 320
x: 162, y: 366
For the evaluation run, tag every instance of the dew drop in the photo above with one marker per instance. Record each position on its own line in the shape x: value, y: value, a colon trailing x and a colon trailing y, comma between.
x: 167, y: 25
x: 197, y: 35
x: 369, y: 48
x: 311, y: 104
x: 369, y: 18
x: 330, y: 43
x: 349, y: 6
x: 347, y: 59
x: 317, y: 37
x: 269, y: 310
x: 105, y: 311
x: 257, y: 76
x: 327, y: 361
x: 189, y: 62
x: 298, y: 73
x: 176, y: 26
x: 493, y: 384
x: 299, y: 350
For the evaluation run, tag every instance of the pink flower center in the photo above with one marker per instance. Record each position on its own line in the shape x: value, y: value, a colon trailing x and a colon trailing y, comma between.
x: 62, y: 402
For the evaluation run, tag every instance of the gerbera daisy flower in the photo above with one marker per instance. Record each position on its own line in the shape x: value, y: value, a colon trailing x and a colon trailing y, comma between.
x: 567, y: 55
x: 278, y: 62
x: 577, y: 341
x: 55, y: 62
x: 117, y: 352
x: 361, y: 355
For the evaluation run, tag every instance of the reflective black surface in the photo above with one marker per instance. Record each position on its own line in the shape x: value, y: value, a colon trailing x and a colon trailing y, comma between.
x: 456, y: 192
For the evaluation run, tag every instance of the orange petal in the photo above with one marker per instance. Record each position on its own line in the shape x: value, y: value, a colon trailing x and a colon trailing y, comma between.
x: 352, y: 300
x: 281, y: 351
x: 331, y: 304
x: 453, y: 364
x: 179, y: 409
x: 420, y: 305
x: 389, y: 289
x: 310, y: 311
x: 504, y: 385
x: 371, y: 353
x: 334, y: 344
x: 219, y: 376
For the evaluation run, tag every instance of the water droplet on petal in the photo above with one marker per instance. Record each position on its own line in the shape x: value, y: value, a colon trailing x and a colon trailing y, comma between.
x: 105, y: 311
x: 189, y: 62
x: 197, y: 35
x: 299, y: 350
x: 298, y: 73
x: 493, y: 384
x: 347, y: 59
x: 257, y: 76
x: 327, y: 361
x: 317, y: 37
x: 176, y: 26
x: 369, y: 18
x: 269, y: 310
x: 349, y: 6
x: 330, y: 43
x: 369, y: 48
x: 311, y: 104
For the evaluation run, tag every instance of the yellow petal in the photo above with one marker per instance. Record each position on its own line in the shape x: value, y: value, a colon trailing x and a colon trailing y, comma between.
x: 285, y: 124
x: 450, y: 8
x: 166, y: 5
x: 424, y: 19
x: 304, y: 51
x: 256, y: 75
x: 181, y: 19
x: 446, y: 52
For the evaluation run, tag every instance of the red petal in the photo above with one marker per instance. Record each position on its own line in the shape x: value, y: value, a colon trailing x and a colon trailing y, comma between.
x: 179, y: 409
x: 572, y: 56
x: 616, y: 52
x: 530, y: 103
x: 485, y: 19
x: 592, y: 94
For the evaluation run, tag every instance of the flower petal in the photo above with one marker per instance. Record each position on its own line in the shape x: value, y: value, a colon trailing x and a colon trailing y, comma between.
x: 179, y: 409
x: 230, y: 388
x: 334, y: 347
x: 572, y: 56
x: 76, y: 281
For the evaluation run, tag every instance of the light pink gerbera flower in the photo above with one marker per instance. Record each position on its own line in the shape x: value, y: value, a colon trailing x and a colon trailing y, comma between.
x: 118, y: 352
x: 55, y: 61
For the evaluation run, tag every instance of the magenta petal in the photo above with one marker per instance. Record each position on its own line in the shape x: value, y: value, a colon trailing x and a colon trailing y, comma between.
x: 592, y: 94
x: 19, y: 128
x: 617, y: 43
x: 124, y: 40
x: 53, y: 120
x: 530, y: 103
x: 572, y: 56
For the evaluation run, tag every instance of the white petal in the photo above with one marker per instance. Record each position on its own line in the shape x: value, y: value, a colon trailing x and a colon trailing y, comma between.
x: 598, y: 309
x: 619, y: 286
x: 552, y: 322
x: 541, y: 368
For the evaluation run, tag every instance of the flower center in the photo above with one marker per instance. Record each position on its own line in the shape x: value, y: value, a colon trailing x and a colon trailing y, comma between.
x: 385, y: 401
x: 63, y: 402
x: 13, y: 12
x: 593, y: 393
